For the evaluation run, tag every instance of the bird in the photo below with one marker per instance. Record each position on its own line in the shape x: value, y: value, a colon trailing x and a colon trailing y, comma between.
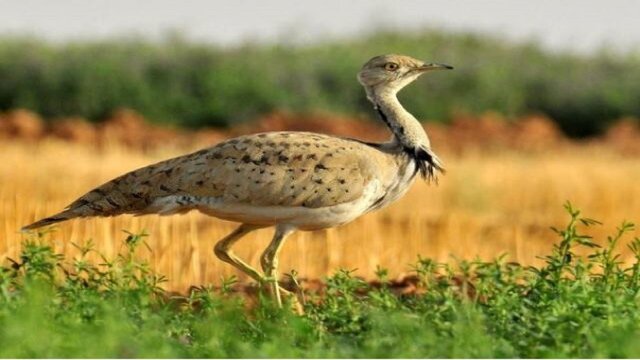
x: 293, y: 181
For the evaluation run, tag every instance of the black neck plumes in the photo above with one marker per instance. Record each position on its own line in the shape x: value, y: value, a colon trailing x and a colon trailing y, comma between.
x: 426, y: 162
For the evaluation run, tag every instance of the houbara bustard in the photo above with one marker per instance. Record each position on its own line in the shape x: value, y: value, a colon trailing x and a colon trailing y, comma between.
x: 290, y: 180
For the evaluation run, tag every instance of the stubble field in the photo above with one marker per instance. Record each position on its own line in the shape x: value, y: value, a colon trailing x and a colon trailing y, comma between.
x: 437, y: 283
x: 501, y: 260
x: 488, y: 203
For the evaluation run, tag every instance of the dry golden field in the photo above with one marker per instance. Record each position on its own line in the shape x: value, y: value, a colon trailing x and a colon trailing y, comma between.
x: 488, y: 203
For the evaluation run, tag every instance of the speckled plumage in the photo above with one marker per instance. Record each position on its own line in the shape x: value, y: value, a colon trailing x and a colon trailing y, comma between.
x: 293, y: 180
x: 285, y: 169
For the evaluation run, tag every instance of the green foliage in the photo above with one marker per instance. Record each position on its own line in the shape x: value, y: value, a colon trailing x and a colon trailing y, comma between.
x: 572, y: 306
x: 195, y: 85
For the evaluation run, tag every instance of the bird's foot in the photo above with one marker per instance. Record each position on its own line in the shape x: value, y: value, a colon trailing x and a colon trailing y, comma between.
x: 279, y: 294
x: 294, y: 302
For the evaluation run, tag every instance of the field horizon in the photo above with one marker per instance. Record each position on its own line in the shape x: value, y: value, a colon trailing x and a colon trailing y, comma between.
x: 527, y: 246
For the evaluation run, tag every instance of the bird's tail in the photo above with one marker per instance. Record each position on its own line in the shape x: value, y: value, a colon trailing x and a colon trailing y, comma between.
x: 131, y: 193
x: 109, y: 199
x: 59, y: 217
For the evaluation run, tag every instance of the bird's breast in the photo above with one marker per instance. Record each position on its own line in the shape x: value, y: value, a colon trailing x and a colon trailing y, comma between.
x: 398, y: 183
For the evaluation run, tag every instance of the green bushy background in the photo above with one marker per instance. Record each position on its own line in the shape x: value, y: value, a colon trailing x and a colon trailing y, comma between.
x: 571, y: 306
x: 189, y: 84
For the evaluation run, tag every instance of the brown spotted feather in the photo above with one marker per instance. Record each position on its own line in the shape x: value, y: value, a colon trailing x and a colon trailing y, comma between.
x: 290, y: 169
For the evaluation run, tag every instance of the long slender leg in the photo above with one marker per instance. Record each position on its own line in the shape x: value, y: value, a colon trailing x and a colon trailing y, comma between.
x: 224, y: 253
x: 269, y: 259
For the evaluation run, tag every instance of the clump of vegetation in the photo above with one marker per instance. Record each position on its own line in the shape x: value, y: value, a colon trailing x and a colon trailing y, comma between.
x: 195, y: 85
x: 572, y: 306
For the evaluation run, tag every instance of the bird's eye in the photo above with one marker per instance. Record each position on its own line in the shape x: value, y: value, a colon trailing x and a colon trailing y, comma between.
x: 390, y: 66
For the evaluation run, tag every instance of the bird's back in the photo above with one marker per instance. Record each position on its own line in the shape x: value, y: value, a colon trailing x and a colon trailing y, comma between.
x: 286, y: 169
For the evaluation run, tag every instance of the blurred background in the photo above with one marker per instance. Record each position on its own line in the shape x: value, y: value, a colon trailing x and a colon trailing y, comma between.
x: 542, y: 108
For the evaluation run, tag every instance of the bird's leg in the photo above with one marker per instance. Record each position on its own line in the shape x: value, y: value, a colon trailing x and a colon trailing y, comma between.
x: 224, y: 253
x: 269, y: 260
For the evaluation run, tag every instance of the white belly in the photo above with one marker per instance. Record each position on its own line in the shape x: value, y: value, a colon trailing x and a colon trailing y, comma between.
x: 302, y: 218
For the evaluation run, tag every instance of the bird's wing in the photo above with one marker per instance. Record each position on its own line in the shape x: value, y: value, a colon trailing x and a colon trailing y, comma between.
x: 282, y: 169
x: 269, y: 169
x: 289, y: 169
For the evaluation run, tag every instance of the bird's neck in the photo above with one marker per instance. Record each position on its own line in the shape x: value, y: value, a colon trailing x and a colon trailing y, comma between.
x: 409, y: 136
x: 407, y: 132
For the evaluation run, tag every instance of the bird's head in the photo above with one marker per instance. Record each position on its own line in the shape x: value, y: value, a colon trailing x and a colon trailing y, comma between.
x: 393, y: 72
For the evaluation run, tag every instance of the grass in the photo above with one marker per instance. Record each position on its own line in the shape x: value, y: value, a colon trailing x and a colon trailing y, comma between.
x: 191, y: 84
x: 571, y: 305
x: 492, y: 279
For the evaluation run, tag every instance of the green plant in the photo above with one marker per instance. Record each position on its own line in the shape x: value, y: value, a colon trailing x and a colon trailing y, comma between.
x: 194, y: 85
x: 583, y: 302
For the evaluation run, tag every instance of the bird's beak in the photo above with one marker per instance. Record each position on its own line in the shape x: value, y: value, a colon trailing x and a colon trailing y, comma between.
x: 434, y: 66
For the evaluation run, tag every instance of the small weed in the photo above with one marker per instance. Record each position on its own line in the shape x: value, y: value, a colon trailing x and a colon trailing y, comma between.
x: 572, y: 306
